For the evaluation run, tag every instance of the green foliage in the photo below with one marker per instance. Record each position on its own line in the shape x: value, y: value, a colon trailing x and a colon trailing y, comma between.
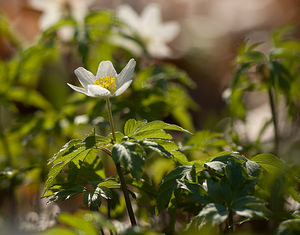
x: 192, y: 185
x: 287, y: 227
x: 226, y: 186
x: 129, y: 151
x: 81, y: 223
x: 275, y: 72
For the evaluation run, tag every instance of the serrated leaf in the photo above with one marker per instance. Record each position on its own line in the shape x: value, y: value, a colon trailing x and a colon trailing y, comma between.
x: 109, y: 183
x: 78, y: 154
x: 65, y: 192
x: 180, y: 157
x: 268, y: 162
x: 93, y: 199
x: 212, y: 213
x: 216, y: 166
x: 131, y: 125
x: 74, y: 151
x: 119, y: 136
x: 253, y: 169
x: 167, y: 144
x: 156, y: 147
x: 152, y: 134
x: 156, y: 125
x: 250, y: 207
x: 125, y: 153
x: 170, y: 184
x: 171, y: 147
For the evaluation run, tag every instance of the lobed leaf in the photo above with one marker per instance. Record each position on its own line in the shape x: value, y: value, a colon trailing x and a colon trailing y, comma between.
x: 126, y: 153
x: 171, y: 183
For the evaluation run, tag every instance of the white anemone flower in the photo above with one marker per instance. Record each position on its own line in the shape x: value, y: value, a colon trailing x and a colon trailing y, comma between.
x: 107, y: 83
x: 149, y: 27
x: 55, y: 10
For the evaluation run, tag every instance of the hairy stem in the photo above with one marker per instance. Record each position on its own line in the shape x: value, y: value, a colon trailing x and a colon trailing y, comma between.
x: 274, y: 120
x: 119, y: 170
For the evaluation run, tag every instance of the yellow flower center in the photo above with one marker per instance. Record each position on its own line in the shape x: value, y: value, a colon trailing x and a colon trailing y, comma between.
x: 107, y: 82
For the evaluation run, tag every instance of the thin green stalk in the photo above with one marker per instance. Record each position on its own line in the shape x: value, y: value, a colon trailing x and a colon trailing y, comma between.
x: 119, y: 170
x: 274, y: 120
x: 229, y: 223
x: 110, y: 119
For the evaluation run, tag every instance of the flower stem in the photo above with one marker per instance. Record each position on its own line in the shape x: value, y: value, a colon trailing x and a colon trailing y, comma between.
x: 119, y: 170
x: 110, y: 119
x: 274, y: 120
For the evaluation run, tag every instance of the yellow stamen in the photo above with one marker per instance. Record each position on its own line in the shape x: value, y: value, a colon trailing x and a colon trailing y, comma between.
x: 107, y: 82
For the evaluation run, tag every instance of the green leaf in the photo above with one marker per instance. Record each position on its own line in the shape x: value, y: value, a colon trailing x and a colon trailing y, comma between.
x: 74, y: 151
x: 216, y: 166
x: 93, y: 199
x: 65, y: 192
x: 212, y: 213
x: 126, y: 153
x: 289, y: 227
x: 79, y: 223
x: 170, y: 184
x: 155, y: 125
x: 204, y: 139
x: 171, y: 147
x: 219, y: 191
x: 252, y: 168
x: 109, y: 183
x: 131, y: 125
x: 250, y: 207
x: 151, y: 134
x: 60, y: 231
x: 268, y: 162
x: 156, y: 147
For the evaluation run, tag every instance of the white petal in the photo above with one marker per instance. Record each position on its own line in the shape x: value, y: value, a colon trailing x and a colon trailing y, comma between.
x: 49, y: 18
x: 80, y: 9
x: 40, y: 4
x: 84, y: 76
x: 106, y: 68
x: 98, y: 91
x: 151, y: 14
x: 126, y: 73
x: 128, y: 44
x: 78, y: 89
x: 169, y: 31
x: 66, y: 33
x: 128, y: 15
x: 122, y: 88
x: 159, y: 49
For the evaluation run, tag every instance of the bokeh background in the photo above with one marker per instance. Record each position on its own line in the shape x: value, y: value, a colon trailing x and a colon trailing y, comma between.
x: 211, y: 31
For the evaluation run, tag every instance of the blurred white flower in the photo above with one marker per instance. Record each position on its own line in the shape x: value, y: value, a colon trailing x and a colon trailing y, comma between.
x: 55, y: 10
x: 46, y: 218
x: 81, y: 119
x: 149, y: 28
x: 107, y: 82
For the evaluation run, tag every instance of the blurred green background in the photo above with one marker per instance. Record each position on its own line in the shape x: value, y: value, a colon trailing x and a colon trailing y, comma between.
x: 39, y: 113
